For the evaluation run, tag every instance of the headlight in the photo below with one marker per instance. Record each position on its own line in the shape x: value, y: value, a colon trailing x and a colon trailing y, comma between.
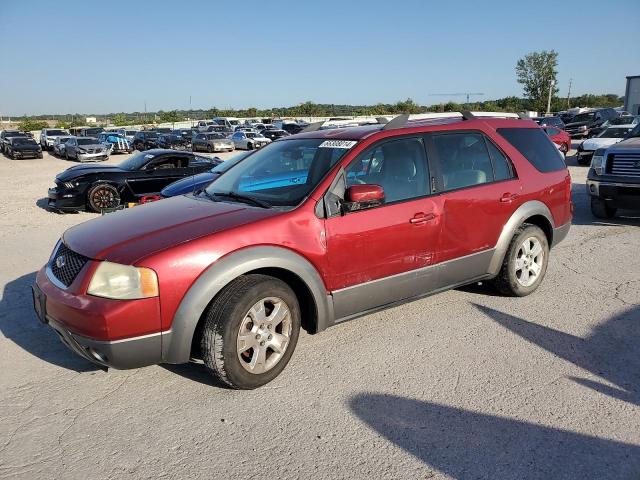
x: 583, y: 127
x: 82, y: 150
x: 598, y: 161
x: 123, y: 282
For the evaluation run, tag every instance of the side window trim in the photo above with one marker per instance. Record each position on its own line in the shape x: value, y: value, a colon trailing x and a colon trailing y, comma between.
x: 512, y: 169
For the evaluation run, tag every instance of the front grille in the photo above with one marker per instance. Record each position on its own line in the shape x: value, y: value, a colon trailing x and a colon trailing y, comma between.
x: 66, y: 264
x: 627, y: 164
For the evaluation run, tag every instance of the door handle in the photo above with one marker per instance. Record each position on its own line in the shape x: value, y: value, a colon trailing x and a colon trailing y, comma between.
x: 508, y: 197
x: 419, y: 218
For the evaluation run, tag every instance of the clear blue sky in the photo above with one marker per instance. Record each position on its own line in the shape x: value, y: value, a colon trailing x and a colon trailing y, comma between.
x: 106, y: 56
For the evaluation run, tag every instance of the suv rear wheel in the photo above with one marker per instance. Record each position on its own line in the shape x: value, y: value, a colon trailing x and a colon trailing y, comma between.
x: 250, y: 331
x: 525, y: 263
x: 600, y: 209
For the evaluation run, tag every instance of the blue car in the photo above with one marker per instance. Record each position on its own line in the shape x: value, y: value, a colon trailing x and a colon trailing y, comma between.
x: 200, y: 181
x: 116, y: 142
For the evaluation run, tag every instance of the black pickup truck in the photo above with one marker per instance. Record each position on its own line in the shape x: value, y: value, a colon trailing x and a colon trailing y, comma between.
x: 613, y: 181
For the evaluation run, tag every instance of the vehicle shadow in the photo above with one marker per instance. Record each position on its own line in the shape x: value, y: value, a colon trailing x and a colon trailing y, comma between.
x: 471, y: 445
x: 611, y: 351
x: 195, y: 372
x: 582, y: 211
x: 19, y: 324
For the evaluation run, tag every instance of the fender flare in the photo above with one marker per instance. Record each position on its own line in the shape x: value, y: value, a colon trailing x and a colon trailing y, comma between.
x: 524, y: 211
x: 176, y: 343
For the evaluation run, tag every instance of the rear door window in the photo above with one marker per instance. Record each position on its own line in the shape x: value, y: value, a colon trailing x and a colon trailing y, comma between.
x: 464, y: 160
x: 536, y: 147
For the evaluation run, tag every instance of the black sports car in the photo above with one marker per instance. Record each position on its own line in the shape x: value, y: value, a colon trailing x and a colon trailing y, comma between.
x: 22, y: 147
x: 145, y: 140
x: 173, y: 141
x: 106, y: 187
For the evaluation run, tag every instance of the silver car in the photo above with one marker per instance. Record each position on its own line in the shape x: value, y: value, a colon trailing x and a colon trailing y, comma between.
x: 85, y: 149
x: 249, y: 140
x: 211, y: 142
x: 58, y: 145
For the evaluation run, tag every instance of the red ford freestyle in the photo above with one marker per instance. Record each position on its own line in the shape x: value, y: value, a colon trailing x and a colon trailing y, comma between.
x: 314, y: 229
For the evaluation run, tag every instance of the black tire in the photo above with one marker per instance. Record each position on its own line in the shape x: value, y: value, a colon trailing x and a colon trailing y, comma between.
x: 507, y: 281
x: 9, y: 153
x: 600, y: 209
x: 249, y: 146
x: 225, y: 317
x: 40, y: 155
x: 103, y: 196
x: 66, y: 154
x: 209, y: 148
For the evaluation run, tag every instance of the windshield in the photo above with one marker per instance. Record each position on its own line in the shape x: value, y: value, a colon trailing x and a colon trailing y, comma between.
x: 57, y: 132
x: 615, y: 132
x: 252, y: 134
x: 87, y: 141
x: 621, y: 121
x: 92, y: 131
x: 130, y: 132
x: 583, y: 117
x: 63, y: 139
x: 213, y: 136
x: 23, y: 141
x: 136, y: 161
x: 234, y: 122
x: 151, y: 135
x: 227, y: 164
x: 282, y: 173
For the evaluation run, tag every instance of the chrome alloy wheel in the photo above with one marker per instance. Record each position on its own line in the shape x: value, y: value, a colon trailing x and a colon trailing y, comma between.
x: 264, y: 335
x: 529, y: 261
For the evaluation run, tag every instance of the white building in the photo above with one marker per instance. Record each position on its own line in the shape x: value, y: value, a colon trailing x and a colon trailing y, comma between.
x: 90, y: 120
x: 632, y: 95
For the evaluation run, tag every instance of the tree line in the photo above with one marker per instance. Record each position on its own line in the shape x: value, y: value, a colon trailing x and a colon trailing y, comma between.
x: 310, y: 109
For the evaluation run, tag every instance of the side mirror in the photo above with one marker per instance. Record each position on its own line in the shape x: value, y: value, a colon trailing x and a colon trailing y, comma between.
x: 360, y: 197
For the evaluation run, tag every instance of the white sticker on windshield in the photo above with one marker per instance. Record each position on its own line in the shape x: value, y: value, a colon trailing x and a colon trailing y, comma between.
x: 337, y: 144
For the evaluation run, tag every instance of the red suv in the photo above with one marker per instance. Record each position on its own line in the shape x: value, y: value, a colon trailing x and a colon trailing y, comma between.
x: 310, y: 231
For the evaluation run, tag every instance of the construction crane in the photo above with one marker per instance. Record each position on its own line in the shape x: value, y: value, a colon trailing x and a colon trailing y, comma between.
x: 467, y: 94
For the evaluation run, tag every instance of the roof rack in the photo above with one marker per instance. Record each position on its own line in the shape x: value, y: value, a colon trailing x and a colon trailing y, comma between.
x: 402, y: 120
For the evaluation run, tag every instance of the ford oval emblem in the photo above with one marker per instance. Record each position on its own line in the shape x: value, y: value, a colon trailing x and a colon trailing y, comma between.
x: 61, y: 261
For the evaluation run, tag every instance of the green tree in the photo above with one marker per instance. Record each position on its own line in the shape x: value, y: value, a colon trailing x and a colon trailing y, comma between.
x: 63, y: 124
x: 30, y: 124
x: 170, y: 117
x: 119, y: 119
x: 537, y: 72
x: 408, y: 106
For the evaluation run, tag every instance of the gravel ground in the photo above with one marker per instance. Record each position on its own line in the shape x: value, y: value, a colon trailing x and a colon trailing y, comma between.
x: 465, y: 384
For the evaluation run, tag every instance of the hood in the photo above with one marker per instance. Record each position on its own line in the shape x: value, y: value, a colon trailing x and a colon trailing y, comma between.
x: 127, y: 236
x: 189, y: 184
x: 631, y: 144
x: 596, y: 143
x: 88, y: 169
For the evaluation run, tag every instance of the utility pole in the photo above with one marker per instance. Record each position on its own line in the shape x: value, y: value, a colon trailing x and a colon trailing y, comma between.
x: 549, y: 99
x: 569, y: 94
x: 145, y: 111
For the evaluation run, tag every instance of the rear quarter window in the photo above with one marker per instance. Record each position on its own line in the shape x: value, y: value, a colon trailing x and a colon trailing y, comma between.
x: 536, y: 147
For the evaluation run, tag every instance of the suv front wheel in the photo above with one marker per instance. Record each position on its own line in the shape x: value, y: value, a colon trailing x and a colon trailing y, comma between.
x: 251, y: 330
x: 525, y: 263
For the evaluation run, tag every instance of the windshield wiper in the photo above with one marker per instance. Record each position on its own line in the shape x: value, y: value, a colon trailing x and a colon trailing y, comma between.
x: 244, y: 198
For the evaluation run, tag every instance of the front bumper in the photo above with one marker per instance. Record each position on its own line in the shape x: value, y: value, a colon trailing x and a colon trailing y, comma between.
x: 221, y: 147
x: 617, y: 194
x: 84, y: 324
x: 59, y: 199
x: 93, y: 157
x: 27, y: 153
